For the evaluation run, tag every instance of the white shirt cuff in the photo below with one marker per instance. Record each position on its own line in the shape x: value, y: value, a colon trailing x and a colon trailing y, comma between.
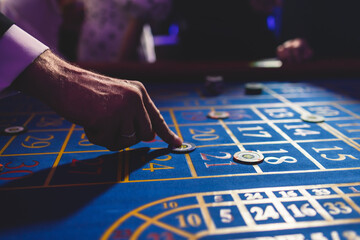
x: 18, y: 50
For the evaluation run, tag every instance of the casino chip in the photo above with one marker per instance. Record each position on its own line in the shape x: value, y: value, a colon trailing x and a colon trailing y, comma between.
x: 14, y: 130
x: 214, y: 85
x: 186, y: 147
x: 248, y: 157
x: 312, y: 118
x: 218, y: 114
x: 253, y: 88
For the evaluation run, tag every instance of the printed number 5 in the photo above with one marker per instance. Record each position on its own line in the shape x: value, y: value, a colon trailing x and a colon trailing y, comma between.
x: 226, y: 216
x: 342, y: 157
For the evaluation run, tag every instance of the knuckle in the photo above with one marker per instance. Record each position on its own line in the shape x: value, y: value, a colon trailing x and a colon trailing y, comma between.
x: 138, y: 85
x: 132, y: 96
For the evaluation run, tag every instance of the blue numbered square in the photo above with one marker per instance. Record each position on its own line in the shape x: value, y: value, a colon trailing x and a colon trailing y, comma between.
x: 282, y: 157
x: 218, y: 198
x: 145, y: 164
x: 287, y: 193
x: 264, y: 213
x: 350, y: 128
x: 279, y: 113
x: 226, y: 216
x: 338, y: 208
x: 253, y: 196
x: 303, y: 131
x: 26, y: 170
x: 333, y: 154
x: 205, y: 135
x: 250, y: 133
x: 212, y: 161
x: 320, y: 192
x: 327, y: 111
x: 302, y: 211
x: 37, y: 142
x: 87, y: 168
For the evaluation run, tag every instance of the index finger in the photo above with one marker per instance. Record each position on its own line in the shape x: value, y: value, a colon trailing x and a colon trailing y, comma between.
x: 159, y: 125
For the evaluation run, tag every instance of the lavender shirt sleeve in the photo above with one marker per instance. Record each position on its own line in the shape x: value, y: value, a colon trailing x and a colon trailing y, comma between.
x: 18, y: 50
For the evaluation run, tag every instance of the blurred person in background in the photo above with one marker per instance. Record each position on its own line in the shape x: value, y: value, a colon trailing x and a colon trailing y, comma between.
x: 228, y: 30
x: 321, y: 29
x: 238, y: 30
x: 112, y: 28
x: 109, y: 30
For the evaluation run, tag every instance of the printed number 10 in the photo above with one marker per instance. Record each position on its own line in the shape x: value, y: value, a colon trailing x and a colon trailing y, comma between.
x: 192, y: 219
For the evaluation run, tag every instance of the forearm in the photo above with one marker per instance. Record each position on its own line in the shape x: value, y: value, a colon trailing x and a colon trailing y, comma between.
x: 60, y: 85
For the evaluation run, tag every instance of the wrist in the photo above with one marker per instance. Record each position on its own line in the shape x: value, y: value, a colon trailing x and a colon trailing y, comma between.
x: 42, y: 79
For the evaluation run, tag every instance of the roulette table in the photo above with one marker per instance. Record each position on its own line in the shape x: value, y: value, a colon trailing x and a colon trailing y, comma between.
x: 57, y: 185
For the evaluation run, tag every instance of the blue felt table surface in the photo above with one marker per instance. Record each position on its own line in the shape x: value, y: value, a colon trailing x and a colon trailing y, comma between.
x: 57, y: 185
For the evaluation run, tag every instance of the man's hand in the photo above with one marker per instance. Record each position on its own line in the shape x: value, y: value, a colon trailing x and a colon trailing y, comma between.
x: 114, y: 113
x: 294, y: 51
